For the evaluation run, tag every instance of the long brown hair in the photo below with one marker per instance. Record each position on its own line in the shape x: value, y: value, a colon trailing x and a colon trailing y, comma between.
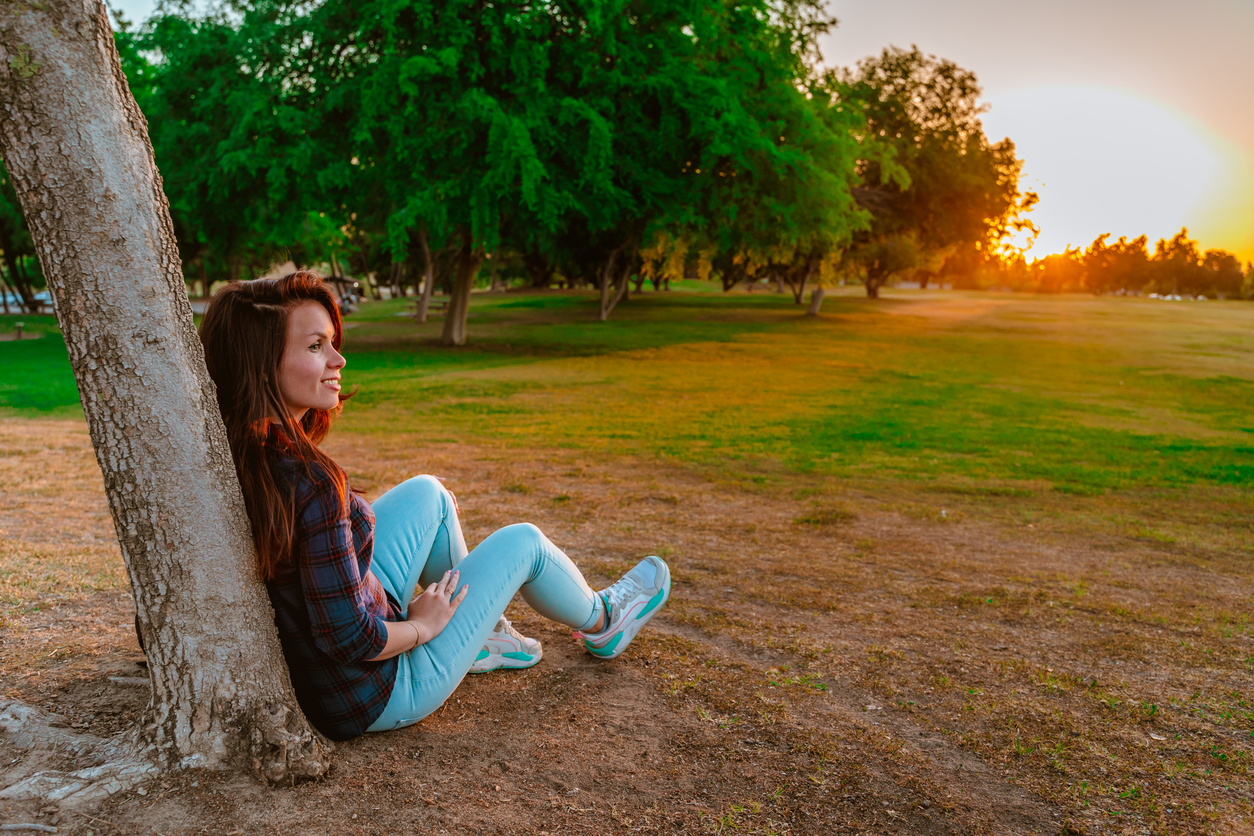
x: 244, y: 332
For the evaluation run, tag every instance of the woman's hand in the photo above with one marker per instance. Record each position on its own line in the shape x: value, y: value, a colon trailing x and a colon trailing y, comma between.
x: 430, y: 612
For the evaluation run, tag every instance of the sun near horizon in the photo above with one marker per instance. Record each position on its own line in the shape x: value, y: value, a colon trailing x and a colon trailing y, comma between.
x: 1131, y: 117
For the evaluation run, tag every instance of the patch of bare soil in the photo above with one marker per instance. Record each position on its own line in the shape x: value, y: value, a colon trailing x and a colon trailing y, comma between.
x: 835, y: 658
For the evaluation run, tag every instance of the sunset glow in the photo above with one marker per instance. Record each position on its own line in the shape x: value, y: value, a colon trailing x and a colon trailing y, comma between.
x: 1132, y: 118
x: 1108, y: 161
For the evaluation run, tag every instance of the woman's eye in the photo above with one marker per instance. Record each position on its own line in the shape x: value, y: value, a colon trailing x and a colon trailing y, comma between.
x: 315, y: 346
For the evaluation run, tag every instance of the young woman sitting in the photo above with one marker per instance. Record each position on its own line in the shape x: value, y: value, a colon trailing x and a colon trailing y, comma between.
x: 380, y: 609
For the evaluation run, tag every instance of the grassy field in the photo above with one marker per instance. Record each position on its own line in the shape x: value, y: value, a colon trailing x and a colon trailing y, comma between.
x: 1077, y: 395
x: 945, y: 563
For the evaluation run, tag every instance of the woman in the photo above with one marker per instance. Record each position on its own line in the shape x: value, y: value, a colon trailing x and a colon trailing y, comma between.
x: 380, y: 609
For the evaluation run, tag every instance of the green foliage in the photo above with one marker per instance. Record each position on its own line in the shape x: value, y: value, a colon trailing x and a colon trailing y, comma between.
x: 932, y: 181
x: 573, y: 135
x: 881, y: 258
x: 225, y: 145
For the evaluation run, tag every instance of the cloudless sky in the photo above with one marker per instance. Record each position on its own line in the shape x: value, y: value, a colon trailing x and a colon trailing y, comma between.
x: 1132, y: 116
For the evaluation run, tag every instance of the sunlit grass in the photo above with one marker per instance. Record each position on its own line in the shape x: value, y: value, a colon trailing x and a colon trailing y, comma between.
x: 888, y: 389
x: 1073, y: 395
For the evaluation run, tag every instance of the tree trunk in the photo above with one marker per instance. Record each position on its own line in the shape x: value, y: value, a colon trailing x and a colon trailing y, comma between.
x: 10, y: 267
x: 77, y: 147
x: 468, y: 262
x: 613, y: 285
x: 816, y: 302
x: 17, y: 279
x: 731, y: 277
x: 798, y: 278
x: 539, y: 268
x: 428, y: 277
x: 394, y: 281
x: 414, y: 271
x: 4, y: 295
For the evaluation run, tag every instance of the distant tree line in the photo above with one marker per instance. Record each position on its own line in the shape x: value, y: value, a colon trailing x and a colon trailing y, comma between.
x: 603, y: 143
x: 1176, y: 266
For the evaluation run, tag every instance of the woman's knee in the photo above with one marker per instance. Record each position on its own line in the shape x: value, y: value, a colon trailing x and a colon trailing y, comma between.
x: 520, y: 536
x: 420, y: 490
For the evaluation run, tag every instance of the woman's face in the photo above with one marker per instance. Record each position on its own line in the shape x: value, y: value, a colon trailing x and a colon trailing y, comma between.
x: 309, y: 373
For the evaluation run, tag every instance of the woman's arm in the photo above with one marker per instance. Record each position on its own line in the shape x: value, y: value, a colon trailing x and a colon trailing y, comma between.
x: 429, y: 614
x: 402, y: 636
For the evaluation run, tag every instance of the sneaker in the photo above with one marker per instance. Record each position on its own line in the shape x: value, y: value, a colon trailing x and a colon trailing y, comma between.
x: 633, y: 601
x: 506, y: 648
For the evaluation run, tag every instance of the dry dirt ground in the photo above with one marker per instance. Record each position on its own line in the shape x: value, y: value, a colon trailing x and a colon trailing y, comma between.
x: 835, y: 658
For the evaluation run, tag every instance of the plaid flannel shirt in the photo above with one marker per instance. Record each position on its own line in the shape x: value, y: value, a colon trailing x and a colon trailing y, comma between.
x: 329, y: 609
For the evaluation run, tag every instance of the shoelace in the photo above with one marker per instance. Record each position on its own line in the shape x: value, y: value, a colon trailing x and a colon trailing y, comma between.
x: 504, y: 626
x: 623, y: 591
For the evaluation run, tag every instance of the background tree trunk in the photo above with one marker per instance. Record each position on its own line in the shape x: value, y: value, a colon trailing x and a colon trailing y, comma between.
x: 428, y: 277
x: 614, y: 284
x: 816, y: 302
x: 77, y: 147
x: 468, y: 262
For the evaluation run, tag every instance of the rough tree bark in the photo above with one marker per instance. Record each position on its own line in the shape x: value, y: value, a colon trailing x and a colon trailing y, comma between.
x: 468, y: 262
x: 77, y: 147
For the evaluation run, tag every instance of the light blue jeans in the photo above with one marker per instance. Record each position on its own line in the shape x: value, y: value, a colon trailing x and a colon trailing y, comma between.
x: 417, y: 538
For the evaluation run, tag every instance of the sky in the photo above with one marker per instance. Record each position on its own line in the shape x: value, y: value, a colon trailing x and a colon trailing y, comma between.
x: 1132, y: 116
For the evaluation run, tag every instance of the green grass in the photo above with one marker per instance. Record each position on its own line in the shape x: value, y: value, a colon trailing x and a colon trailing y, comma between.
x: 36, y: 377
x: 993, y: 392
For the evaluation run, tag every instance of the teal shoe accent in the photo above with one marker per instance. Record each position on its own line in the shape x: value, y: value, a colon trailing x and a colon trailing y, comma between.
x: 483, y: 654
x: 516, y: 654
x: 653, y: 602
x: 608, y: 650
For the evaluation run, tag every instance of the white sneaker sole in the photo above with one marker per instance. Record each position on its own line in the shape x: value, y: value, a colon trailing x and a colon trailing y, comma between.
x: 513, y: 660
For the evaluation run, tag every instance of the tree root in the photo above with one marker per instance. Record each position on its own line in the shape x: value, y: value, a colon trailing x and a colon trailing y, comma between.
x: 117, y: 766
x: 292, y: 750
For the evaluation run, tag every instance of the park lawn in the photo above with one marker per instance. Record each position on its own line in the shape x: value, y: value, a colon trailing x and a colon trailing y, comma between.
x: 996, y: 403
x: 971, y: 561
x: 1074, y: 394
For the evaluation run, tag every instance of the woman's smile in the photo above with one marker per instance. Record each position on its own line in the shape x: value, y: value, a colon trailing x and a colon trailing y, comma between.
x: 309, y: 373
